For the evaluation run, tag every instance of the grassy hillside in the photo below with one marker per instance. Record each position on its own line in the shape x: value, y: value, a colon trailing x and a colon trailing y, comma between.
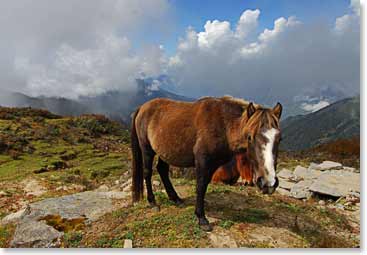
x: 87, y: 151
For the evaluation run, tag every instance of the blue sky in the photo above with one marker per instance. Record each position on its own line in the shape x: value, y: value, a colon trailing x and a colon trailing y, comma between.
x: 195, y: 13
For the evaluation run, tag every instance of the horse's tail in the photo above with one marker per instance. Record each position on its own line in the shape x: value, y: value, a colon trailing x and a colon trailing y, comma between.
x: 137, y: 173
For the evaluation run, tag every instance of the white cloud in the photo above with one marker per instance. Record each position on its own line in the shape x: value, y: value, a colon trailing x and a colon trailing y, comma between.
x: 71, y: 48
x: 314, y: 107
x: 274, y: 64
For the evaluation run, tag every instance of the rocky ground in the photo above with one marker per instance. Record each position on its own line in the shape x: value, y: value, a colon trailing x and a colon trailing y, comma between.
x: 64, y: 182
x: 316, y: 206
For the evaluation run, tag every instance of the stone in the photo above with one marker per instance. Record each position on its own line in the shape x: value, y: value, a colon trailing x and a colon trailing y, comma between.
x: 156, y: 183
x: 301, y: 189
x: 103, y: 187
x: 80, y: 208
x: 328, y: 165
x: 285, y: 184
x: 36, y: 234
x: 349, y: 169
x: 2, y: 193
x: 322, y: 202
x: 305, y: 173
x: 285, y: 174
x: 128, y: 243
x: 283, y: 192
x: 222, y: 239
x: 336, y: 183
x: 13, y: 217
x: 33, y: 188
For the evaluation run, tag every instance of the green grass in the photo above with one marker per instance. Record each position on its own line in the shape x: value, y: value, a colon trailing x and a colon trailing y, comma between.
x: 73, y: 239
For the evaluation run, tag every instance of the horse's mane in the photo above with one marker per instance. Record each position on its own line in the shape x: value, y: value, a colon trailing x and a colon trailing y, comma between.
x: 230, y: 99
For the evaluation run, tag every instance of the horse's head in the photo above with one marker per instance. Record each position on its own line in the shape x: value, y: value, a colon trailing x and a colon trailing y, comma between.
x: 260, y: 137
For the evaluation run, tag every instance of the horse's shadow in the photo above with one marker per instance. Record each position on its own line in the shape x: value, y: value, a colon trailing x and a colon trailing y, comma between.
x: 305, y: 220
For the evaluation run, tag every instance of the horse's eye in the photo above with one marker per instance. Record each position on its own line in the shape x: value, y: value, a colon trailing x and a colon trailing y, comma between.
x: 249, y: 137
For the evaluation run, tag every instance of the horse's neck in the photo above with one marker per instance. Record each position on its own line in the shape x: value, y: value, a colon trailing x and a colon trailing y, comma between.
x: 234, y: 133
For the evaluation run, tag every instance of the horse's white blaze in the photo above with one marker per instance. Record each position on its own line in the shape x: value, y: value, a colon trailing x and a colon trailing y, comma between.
x: 268, y: 156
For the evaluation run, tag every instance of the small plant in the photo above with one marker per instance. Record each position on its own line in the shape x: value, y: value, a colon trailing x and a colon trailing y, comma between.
x: 73, y: 239
x: 227, y: 224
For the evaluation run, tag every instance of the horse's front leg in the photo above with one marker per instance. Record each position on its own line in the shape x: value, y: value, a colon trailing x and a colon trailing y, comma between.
x: 203, y: 177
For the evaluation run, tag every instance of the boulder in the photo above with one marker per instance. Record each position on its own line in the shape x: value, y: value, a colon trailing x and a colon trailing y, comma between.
x: 38, y: 225
x: 13, y: 217
x: 301, y: 189
x: 337, y: 183
x: 327, y: 165
x: 36, y: 234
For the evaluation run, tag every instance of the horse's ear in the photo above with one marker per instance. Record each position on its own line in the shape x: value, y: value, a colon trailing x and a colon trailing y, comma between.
x: 278, y: 110
x: 250, y: 110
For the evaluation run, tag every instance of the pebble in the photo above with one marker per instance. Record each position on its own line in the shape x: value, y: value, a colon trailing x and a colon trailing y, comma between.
x: 156, y: 183
x: 128, y: 244
x: 322, y: 202
x: 2, y: 193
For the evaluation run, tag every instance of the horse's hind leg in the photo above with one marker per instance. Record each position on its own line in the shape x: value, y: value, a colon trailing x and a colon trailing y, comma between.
x: 163, y: 170
x: 148, y: 156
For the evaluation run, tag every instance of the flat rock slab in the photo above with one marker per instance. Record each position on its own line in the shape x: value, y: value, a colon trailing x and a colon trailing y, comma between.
x: 306, y: 173
x: 285, y: 174
x: 33, y: 231
x: 327, y: 165
x: 337, y: 183
x: 283, y: 192
x: 285, y: 184
x: 301, y: 189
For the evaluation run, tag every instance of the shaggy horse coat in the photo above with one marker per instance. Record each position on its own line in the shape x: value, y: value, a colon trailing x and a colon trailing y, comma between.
x: 231, y: 172
x: 204, y: 134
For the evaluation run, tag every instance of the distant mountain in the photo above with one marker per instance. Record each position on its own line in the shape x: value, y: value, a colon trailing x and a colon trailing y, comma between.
x: 312, y: 100
x: 338, y: 120
x: 117, y: 105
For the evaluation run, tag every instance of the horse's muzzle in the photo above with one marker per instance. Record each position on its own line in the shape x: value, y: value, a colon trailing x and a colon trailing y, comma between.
x: 265, y: 188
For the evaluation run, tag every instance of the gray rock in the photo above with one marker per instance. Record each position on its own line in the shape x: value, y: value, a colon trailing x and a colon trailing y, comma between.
x: 336, y: 183
x: 301, y: 189
x: 13, y: 217
x: 285, y: 174
x: 128, y: 243
x: 285, y: 184
x: 305, y: 173
x: 32, y: 230
x: 349, y: 169
x: 36, y: 234
x: 283, y: 192
x: 328, y: 165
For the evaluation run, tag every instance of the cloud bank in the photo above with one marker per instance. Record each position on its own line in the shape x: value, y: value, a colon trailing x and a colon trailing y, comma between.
x: 72, y: 48
x: 276, y: 63
x: 75, y: 48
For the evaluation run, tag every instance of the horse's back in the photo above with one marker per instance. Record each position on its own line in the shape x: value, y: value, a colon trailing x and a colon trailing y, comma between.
x: 167, y: 127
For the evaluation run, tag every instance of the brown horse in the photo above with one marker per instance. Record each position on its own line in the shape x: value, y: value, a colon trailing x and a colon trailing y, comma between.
x: 231, y: 172
x: 204, y: 134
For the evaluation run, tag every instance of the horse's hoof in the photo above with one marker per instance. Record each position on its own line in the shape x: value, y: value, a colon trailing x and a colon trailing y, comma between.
x: 206, y: 227
x: 179, y: 202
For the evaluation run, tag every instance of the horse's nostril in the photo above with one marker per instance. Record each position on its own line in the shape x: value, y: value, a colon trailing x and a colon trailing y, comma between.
x: 260, y: 182
x: 276, y: 184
